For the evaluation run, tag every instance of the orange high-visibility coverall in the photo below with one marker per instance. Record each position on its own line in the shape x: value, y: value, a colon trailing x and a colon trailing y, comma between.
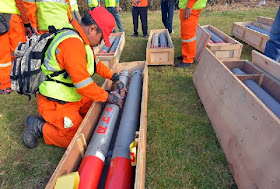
x: 31, y: 13
x: 188, y: 33
x: 72, y: 58
x: 8, y: 43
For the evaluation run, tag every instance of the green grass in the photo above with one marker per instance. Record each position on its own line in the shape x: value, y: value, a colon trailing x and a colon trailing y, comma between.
x: 182, y: 151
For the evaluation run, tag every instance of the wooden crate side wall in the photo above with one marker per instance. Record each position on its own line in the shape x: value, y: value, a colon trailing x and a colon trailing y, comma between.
x: 249, y: 138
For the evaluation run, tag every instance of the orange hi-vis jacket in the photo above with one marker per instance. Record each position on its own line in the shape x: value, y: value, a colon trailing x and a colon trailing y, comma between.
x: 31, y: 8
x: 9, y: 41
x: 71, y: 56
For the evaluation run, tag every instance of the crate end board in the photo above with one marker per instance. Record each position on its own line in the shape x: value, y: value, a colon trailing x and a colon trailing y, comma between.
x: 249, y: 138
x: 74, y: 153
x: 160, y: 56
x: 267, y: 64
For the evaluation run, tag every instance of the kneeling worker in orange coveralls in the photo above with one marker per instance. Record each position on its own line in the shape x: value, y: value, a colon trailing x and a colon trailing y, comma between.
x: 65, y: 99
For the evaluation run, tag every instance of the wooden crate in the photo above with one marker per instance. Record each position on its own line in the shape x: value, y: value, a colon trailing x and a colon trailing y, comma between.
x: 251, y: 37
x: 230, y: 50
x: 160, y: 56
x: 110, y: 59
x: 73, y: 155
x: 248, y: 131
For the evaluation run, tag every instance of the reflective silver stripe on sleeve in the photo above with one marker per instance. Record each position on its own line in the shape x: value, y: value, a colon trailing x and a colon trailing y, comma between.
x: 6, y: 64
x: 83, y: 83
x: 188, y: 40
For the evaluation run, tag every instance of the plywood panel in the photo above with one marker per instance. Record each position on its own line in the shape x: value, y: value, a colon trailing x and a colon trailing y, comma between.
x: 268, y: 65
x: 248, y: 131
x: 202, y: 39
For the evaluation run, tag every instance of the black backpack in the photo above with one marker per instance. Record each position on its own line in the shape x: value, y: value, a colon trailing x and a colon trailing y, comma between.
x: 26, y: 74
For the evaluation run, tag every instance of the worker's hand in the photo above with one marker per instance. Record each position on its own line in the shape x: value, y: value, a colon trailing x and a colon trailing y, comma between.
x: 28, y: 30
x: 117, y: 9
x: 187, y: 13
x: 113, y: 98
x: 35, y: 30
x: 119, y: 85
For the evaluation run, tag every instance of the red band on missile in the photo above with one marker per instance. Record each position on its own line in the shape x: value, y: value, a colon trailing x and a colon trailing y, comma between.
x: 90, y: 172
x: 120, y: 174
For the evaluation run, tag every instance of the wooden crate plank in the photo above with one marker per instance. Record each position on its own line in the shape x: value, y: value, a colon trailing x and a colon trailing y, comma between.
x: 248, y: 131
x: 266, y: 20
x: 202, y: 39
x: 268, y: 65
x: 70, y: 160
x: 141, y: 154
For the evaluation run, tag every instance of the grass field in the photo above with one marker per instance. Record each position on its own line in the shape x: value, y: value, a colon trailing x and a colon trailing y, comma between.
x: 182, y: 151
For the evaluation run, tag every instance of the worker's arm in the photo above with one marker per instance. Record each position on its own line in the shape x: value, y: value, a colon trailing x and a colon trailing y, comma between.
x: 188, y: 9
x: 72, y: 58
x: 103, y: 70
x: 31, y: 8
x: 24, y: 17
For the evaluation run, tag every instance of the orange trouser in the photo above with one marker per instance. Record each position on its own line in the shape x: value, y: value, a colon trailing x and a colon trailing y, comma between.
x: 188, y: 35
x: 8, y: 43
x: 54, y: 113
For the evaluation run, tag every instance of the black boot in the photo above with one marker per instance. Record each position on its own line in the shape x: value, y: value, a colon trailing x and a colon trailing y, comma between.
x: 34, y: 128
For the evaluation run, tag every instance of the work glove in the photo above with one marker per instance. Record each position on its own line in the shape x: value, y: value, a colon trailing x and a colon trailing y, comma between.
x: 28, y: 29
x: 118, y: 85
x: 114, y: 98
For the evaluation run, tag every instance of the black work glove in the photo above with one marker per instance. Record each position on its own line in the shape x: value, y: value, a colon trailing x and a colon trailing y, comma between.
x: 113, y: 98
x: 115, y: 77
x: 118, y: 85
x: 28, y: 29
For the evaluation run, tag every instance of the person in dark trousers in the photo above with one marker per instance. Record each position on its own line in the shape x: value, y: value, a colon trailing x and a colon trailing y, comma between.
x: 272, y: 48
x: 167, y: 9
x: 113, y: 7
x: 140, y: 7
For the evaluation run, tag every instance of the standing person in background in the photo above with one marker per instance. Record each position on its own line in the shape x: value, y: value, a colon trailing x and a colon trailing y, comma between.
x: 140, y: 7
x: 75, y: 10
x: 113, y: 6
x: 272, y: 48
x: 167, y: 9
x: 45, y: 13
x: 189, y: 16
x: 93, y: 4
x: 14, y: 24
